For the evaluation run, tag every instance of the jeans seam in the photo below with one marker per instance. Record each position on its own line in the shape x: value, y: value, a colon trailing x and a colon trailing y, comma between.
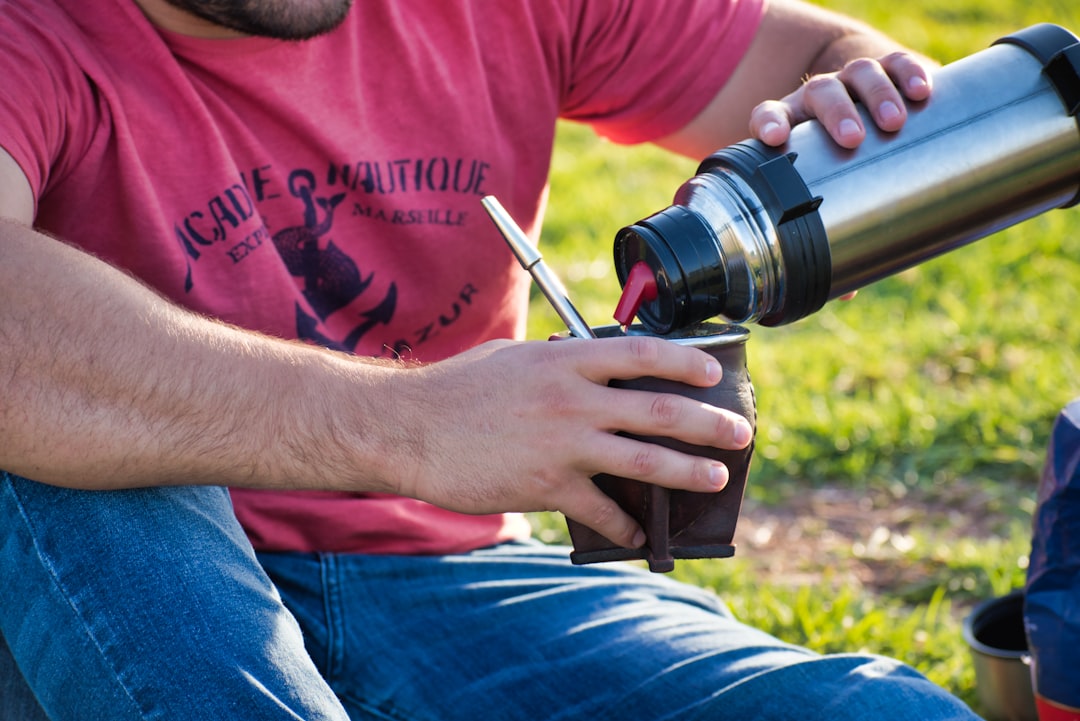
x: 332, y: 607
x: 331, y: 569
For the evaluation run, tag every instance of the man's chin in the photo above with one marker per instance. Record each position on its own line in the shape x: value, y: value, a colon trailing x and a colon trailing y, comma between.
x: 277, y: 19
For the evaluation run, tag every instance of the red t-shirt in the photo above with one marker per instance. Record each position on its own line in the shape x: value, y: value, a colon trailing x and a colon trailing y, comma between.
x: 329, y: 190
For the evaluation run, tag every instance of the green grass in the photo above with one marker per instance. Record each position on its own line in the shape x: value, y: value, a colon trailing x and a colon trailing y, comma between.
x: 944, y: 378
x: 920, y: 623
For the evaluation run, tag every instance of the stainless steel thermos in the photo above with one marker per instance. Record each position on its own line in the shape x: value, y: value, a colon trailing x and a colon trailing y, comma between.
x: 768, y: 235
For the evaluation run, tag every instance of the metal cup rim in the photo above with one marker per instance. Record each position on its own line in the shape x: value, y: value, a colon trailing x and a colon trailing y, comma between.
x: 968, y: 629
x: 707, y: 333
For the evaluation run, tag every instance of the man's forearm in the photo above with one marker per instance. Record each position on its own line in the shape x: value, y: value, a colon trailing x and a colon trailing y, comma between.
x: 104, y: 384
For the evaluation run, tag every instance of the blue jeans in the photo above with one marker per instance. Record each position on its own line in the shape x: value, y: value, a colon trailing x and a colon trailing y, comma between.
x: 151, y: 604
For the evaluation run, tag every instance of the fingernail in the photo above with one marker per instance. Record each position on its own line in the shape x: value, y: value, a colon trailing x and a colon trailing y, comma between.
x: 916, y: 83
x: 742, y: 434
x: 718, y: 476
x: 639, y: 539
x: 848, y: 127
x: 888, y: 110
x: 769, y: 127
x: 713, y: 372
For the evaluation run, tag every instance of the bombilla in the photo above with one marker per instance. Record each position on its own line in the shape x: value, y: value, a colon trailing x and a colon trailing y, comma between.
x: 531, y: 260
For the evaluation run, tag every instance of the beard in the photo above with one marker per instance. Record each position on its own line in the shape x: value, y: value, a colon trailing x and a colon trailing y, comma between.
x: 278, y: 19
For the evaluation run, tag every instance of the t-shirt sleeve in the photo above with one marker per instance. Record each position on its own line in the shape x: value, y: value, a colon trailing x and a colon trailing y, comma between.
x: 642, y: 70
x: 45, y: 101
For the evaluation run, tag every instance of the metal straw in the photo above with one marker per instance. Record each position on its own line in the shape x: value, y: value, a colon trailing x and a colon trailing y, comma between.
x: 532, y: 261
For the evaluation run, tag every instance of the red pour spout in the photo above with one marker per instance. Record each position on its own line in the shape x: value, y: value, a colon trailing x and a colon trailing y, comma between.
x: 640, y: 287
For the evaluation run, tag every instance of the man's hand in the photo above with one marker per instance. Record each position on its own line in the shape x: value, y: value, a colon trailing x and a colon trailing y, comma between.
x: 524, y: 426
x: 884, y: 86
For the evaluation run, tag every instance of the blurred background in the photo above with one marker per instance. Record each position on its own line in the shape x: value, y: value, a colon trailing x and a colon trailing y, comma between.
x: 901, y: 434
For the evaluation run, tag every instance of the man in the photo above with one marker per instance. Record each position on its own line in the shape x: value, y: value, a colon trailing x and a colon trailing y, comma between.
x: 191, y: 187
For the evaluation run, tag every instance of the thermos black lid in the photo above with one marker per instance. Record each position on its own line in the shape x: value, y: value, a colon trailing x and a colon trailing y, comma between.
x: 694, y: 282
x: 680, y: 248
x: 1059, y: 52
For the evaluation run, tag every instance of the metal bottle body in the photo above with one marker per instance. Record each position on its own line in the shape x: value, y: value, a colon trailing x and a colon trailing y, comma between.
x: 768, y: 235
x: 992, y: 148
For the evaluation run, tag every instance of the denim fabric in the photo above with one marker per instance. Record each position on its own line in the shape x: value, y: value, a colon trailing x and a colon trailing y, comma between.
x: 149, y: 604
x: 516, y: 632
x: 16, y: 699
x: 145, y: 604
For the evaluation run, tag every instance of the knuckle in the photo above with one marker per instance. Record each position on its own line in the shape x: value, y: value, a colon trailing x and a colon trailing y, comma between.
x: 768, y: 107
x: 603, y: 515
x: 861, y: 66
x: 645, y: 350
x: 553, y: 400
x: 644, y: 462
x: 819, y: 84
x: 546, y: 354
x: 723, y: 428
x: 897, y: 57
x: 665, y: 411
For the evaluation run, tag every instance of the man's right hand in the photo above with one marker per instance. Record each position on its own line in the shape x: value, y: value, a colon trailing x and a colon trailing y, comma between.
x: 524, y: 426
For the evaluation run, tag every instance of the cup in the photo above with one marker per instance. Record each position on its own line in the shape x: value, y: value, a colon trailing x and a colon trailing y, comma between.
x: 995, y: 633
x: 678, y: 523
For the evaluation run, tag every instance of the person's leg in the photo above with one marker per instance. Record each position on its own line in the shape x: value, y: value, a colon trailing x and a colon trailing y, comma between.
x: 17, y: 701
x: 146, y: 603
x: 518, y: 633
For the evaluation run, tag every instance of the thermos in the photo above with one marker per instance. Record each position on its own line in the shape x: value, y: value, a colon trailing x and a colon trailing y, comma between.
x: 768, y: 235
